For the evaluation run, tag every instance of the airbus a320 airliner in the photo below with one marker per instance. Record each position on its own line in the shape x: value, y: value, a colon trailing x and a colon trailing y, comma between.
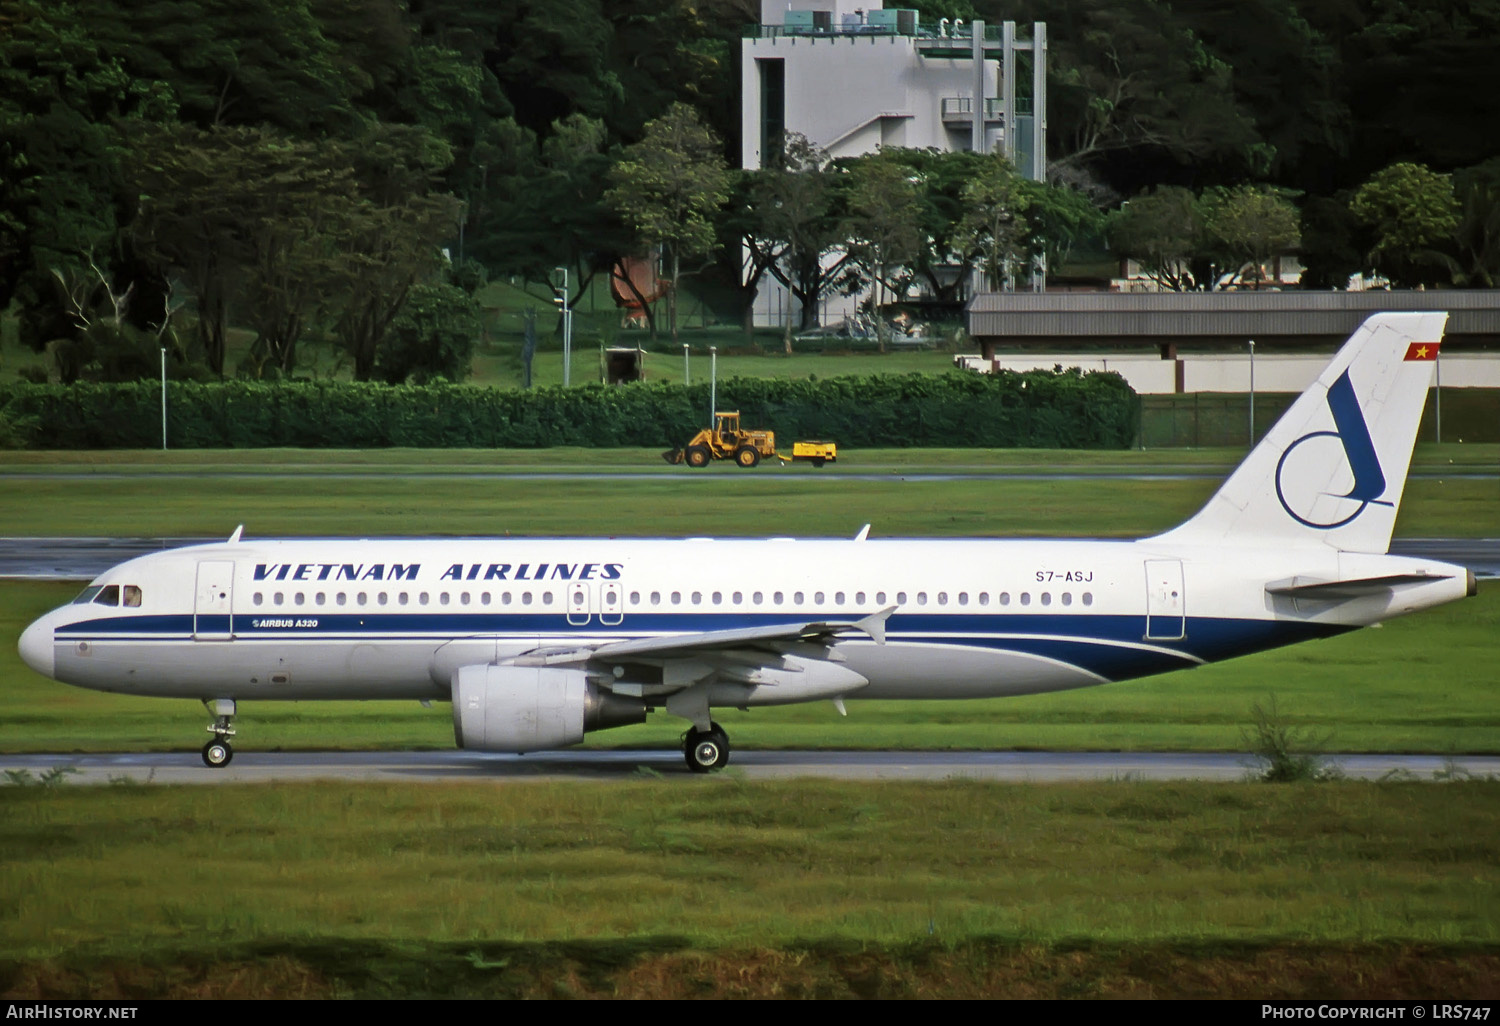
x: 537, y: 642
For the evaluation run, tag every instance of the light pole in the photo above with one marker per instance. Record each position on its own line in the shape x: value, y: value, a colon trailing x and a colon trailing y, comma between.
x: 163, y: 398
x: 1252, y: 393
x: 687, y: 378
x: 713, y: 382
x: 1437, y: 392
x: 561, y: 299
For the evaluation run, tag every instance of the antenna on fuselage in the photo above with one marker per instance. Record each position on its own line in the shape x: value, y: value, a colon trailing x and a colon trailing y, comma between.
x: 864, y: 532
x: 236, y: 535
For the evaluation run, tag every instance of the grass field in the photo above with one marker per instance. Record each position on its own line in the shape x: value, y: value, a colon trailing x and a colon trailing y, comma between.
x: 724, y: 888
x: 396, y: 492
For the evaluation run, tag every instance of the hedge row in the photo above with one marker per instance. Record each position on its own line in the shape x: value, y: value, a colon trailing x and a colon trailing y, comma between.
x: 1037, y: 409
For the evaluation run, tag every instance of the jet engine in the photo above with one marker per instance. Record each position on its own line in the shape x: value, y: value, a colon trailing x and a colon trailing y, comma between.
x: 532, y: 708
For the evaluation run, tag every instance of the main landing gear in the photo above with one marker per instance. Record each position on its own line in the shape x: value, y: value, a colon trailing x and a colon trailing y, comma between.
x: 218, y: 752
x: 706, y: 750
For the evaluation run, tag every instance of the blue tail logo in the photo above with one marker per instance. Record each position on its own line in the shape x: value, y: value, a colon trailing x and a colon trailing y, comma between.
x: 1353, y: 434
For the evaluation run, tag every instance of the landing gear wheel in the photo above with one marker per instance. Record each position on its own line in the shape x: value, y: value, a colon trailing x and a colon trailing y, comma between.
x: 706, y: 750
x: 697, y: 456
x: 217, y: 754
x: 747, y: 457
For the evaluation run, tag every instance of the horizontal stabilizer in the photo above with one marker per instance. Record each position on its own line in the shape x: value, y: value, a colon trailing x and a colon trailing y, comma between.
x: 1340, y: 590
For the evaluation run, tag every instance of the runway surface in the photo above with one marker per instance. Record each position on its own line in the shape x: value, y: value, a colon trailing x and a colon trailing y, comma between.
x: 80, y: 559
x: 250, y: 766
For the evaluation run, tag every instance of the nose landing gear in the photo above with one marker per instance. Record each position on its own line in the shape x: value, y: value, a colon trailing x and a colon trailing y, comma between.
x: 218, y: 752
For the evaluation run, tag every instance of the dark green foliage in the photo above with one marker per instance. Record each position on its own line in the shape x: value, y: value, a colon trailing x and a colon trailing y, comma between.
x: 432, y: 337
x: 1038, y: 409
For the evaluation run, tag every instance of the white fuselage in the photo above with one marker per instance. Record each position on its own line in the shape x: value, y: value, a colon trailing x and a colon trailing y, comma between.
x: 396, y: 618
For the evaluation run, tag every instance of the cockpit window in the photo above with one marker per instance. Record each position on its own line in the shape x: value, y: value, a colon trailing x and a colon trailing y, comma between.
x: 132, y: 595
x: 109, y: 595
x: 87, y: 595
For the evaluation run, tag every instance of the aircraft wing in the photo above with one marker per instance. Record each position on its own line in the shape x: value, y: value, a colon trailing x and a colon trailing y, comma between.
x: 703, y: 643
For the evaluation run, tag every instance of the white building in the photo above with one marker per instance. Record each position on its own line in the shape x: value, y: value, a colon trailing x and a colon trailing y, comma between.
x: 853, y: 76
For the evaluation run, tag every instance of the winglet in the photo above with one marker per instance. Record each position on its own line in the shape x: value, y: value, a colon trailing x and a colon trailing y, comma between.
x: 864, y: 532
x: 235, y: 537
x: 874, y: 624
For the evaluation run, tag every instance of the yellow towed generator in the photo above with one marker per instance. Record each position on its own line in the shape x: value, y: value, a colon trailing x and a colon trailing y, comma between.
x: 727, y: 440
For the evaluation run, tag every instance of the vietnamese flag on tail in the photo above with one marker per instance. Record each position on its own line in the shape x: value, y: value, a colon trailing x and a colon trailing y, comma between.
x: 1422, y: 351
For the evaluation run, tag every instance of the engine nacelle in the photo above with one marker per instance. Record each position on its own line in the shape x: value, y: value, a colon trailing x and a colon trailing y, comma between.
x: 532, y: 708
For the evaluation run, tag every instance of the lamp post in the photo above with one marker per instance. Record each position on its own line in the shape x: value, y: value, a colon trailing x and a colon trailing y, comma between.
x: 561, y: 299
x: 1252, y: 393
x: 687, y: 378
x: 713, y: 382
x: 163, y: 398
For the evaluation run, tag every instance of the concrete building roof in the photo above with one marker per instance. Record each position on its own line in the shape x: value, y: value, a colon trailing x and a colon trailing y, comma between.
x: 1216, y: 318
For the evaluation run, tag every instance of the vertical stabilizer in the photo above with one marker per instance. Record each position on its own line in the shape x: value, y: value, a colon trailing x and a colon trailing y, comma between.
x: 1332, y: 469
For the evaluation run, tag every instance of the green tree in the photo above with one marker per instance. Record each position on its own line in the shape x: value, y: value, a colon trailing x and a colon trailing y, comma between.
x: 432, y: 338
x: 1276, y: 54
x: 1061, y: 218
x: 1478, y: 233
x: 942, y: 181
x: 1162, y: 230
x: 794, y: 225
x: 1135, y: 93
x: 67, y: 105
x: 1253, y: 225
x: 234, y: 62
x: 391, y: 237
x: 1413, y: 212
x: 993, y: 227
x: 669, y: 187
x: 884, y: 227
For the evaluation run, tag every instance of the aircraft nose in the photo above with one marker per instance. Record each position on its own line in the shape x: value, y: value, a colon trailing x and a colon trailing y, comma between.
x: 36, y: 647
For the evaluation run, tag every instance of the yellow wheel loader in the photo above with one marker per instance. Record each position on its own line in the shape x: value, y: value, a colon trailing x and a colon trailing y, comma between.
x: 728, y: 440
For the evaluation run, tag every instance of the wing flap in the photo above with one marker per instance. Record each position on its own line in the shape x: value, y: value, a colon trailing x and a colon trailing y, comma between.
x: 678, y: 646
